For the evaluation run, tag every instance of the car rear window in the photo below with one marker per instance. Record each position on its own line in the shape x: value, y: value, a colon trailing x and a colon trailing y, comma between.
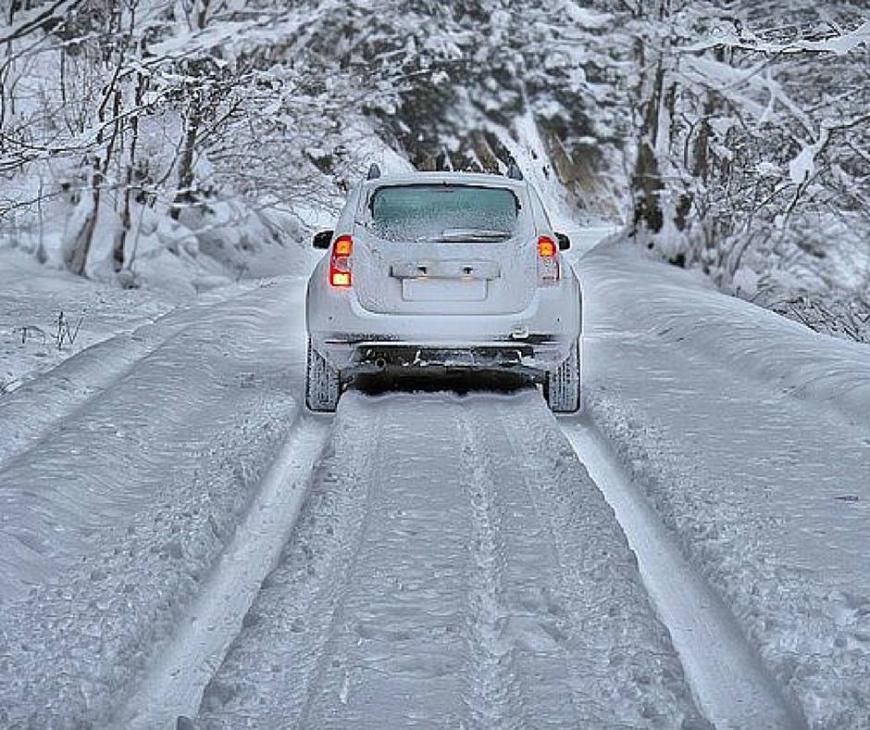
x: 443, y: 213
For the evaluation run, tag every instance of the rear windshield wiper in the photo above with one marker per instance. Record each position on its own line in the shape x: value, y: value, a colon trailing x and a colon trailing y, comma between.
x: 472, y: 234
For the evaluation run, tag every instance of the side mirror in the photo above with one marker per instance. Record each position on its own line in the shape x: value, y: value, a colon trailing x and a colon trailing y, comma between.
x: 323, y: 239
x: 564, y: 241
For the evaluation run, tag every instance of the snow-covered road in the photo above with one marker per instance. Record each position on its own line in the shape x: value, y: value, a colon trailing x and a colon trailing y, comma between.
x: 177, y: 539
x: 445, y: 567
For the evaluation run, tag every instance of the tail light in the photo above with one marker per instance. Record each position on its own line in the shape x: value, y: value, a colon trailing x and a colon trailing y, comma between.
x: 339, y: 262
x: 548, y: 261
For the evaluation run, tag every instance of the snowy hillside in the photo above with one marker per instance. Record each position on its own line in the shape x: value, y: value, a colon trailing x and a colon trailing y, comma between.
x: 151, y: 143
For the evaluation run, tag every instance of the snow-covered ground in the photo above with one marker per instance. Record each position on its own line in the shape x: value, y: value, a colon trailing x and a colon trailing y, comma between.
x: 47, y: 315
x: 119, y: 493
x: 178, y: 539
x: 750, y: 436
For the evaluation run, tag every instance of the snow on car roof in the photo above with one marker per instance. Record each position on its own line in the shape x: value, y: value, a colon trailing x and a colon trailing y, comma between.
x: 459, y: 178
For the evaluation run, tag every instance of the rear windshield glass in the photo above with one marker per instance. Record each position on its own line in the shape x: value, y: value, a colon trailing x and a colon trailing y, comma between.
x: 444, y: 213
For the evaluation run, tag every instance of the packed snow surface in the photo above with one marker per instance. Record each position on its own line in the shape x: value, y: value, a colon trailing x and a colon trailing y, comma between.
x: 448, y: 569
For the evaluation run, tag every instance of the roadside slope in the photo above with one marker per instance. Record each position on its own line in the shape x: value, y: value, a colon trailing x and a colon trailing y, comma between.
x: 749, y: 435
x: 114, y: 516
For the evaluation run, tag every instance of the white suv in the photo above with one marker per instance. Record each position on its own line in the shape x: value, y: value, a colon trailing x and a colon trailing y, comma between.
x: 429, y: 272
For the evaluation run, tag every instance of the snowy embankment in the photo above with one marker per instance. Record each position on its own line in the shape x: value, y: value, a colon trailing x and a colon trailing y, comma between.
x: 48, y: 315
x: 750, y: 436
x: 118, y: 498
x: 686, y: 312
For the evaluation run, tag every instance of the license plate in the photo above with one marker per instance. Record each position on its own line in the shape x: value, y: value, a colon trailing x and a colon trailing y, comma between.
x: 425, y: 289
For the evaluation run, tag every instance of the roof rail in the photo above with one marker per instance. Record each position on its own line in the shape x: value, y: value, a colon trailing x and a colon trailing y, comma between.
x: 514, y: 172
x: 374, y: 172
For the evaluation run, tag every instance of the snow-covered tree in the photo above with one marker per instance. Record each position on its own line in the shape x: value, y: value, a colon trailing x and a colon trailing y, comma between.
x: 730, y: 135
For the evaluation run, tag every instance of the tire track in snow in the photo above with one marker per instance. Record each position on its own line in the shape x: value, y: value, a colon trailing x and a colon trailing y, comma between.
x: 493, y: 696
x: 283, y: 648
x: 732, y: 686
x: 328, y: 657
x: 390, y: 649
x: 427, y: 583
x: 588, y: 650
x: 173, y: 684
x: 391, y: 658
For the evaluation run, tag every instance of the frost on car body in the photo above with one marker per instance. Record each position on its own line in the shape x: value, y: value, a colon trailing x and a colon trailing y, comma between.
x: 428, y: 271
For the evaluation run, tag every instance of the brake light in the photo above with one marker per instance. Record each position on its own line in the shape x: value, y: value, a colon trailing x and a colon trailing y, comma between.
x: 548, y: 261
x: 344, y: 246
x: 339, y: 262
x: 341, y: 278
x: 546, y: 247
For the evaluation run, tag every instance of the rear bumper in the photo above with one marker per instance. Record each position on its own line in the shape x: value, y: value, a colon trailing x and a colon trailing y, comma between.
x: 354, y: 339
x: 371, y: 356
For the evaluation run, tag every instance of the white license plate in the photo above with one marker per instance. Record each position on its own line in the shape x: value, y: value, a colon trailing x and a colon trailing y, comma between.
x: 443, y: 290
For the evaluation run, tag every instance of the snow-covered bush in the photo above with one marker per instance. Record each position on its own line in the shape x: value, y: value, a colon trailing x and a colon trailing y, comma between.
x: 135, y: 131
x: 749, y: 157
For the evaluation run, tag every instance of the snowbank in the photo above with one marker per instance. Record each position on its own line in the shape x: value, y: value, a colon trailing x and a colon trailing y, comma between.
x: 115, y: 512
x: 682, y: 309
x: 749, y: 435
x: 47, y: 315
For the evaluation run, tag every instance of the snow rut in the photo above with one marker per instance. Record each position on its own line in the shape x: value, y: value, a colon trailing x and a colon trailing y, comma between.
x: 282, y: 651
x: 494, y: 692
x: 446, y: 570
x: 175, y: 682
x: 586, y: 643
x: 733, y: 686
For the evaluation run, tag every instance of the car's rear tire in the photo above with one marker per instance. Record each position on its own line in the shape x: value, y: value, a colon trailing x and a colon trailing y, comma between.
x: 562, y: 385
x: 322, y: 383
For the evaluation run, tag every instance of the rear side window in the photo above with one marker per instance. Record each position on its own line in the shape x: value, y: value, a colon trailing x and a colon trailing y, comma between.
x: 443, y: 213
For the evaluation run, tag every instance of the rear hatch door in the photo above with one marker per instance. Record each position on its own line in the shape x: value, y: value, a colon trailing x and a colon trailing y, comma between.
x: 445, y: 249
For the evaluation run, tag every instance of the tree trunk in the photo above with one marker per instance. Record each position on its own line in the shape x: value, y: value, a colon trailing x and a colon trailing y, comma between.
x: 120, y: 242
x: 184, y: 196
x: 646, y: 182
x: 202, y: 13
x: 76, y: 254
